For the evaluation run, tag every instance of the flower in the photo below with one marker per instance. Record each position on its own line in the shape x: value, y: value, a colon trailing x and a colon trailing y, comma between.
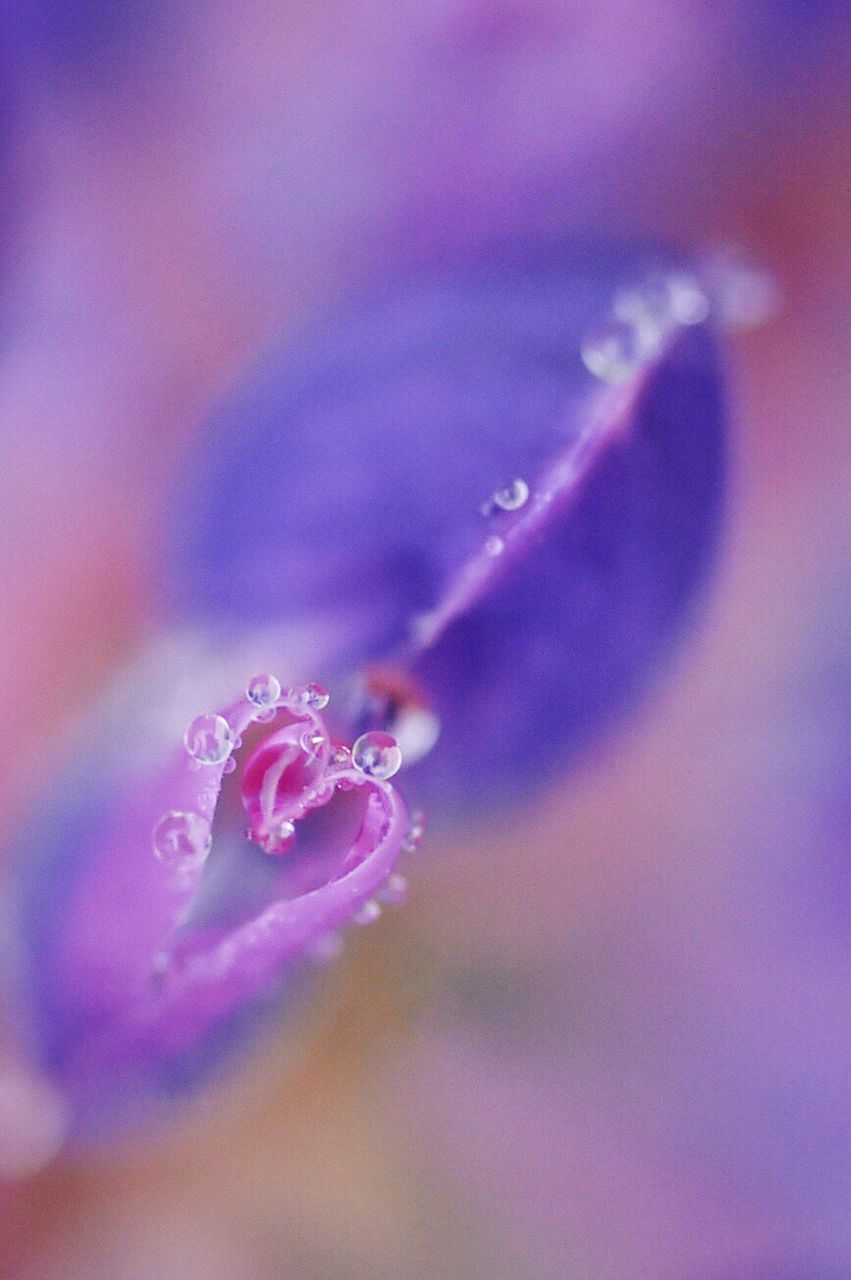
x: 483, y: 503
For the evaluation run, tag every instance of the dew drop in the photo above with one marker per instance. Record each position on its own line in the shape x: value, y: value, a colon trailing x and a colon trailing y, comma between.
x: 377, y: 755
x: 511, y: 497
x: 617, y: 350
x: 263, y: 690
x: 277, y: 841
x: 660, y: 303
x: 181, y: 839
x: 341, y: 756
x: 416, y: 830
x: 208, y: 739
x: 229, y: 765
x: 311, y: 742
x: 368, y: 912
x: 494, y: 546
x: 314, y: 696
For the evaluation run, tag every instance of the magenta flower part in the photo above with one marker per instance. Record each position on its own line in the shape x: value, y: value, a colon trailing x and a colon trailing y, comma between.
x: 143, y: 973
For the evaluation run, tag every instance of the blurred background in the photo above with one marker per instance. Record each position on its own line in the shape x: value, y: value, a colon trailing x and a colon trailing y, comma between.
x: 611, y: 1039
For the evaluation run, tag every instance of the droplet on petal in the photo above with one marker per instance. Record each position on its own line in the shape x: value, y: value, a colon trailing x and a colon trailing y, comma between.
x: 377, y: 755
x: 279, y: 841
x: 368, y: 913
x: 313, y: 696
x: 181, y: 840
x: 415, y: 833
x: 661, y: 302
x: 618, y: 349
x: 494, y: 546
x: 312, y: 741
x: 208, y: 739
x: 511, y: 497
x: 264, y: 690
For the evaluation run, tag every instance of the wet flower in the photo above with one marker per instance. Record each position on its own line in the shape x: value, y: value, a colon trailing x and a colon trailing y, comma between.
x: 480, y: 540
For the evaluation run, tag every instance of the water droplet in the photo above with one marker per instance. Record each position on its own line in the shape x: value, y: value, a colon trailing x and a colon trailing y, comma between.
x: 377, y: 755
x: 617, y: 350
x: 395, y: 890
x: 263, y: 690
x: 661, y: 302
x: 341, y: 756
x: 208, y: 739
x: 368, y: 912
x: 275, y: 842
x: 689, y: 304
x: 314, y: 696
x: 511, y: 497
x: 311, y: 742
x: 181, y: 839
x: 416, y: 830
x: 494, y: 546
x: 229, y: 765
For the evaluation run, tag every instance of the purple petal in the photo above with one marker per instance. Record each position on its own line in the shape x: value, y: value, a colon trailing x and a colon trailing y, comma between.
x: 347, y: 478
x: 143, y: 961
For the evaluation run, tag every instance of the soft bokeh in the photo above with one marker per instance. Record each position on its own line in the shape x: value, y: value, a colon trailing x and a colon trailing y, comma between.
x: 611, y: 1036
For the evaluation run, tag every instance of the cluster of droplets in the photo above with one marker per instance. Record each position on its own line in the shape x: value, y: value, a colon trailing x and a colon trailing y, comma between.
x: 644, y: 316
x: 738, y: 293
x: 509, y: 498
x: 182, y: 839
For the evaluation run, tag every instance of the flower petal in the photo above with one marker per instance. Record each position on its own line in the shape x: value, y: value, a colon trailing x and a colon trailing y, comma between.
x: 348, y: 477
x: 143, y: 965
